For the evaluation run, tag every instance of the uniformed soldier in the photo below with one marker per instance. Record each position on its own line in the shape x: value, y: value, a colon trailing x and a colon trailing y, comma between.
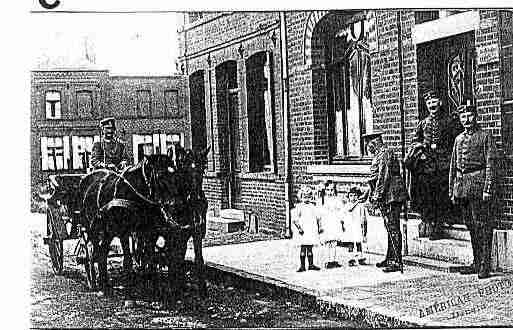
x: 435, y: 135
x: 472, y: 181
x: 388, y: 193
x: 109, y: 152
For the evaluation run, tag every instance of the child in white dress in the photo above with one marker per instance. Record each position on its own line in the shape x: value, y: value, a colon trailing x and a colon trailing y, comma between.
x: 332, y: 223
x: 306, y: 219
x: 355, y: 225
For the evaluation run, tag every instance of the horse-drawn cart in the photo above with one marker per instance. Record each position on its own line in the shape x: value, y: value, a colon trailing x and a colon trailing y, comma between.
x: 64, y: 222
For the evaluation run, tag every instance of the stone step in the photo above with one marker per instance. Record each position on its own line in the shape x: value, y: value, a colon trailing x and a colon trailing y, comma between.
x: 232, y: 214
x: 224, y: 225
x: 433, y: 264
x: 459, y: 232
x: 448, y: 250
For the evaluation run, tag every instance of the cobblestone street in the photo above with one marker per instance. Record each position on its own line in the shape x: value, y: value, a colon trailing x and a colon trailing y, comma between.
x: 63, y: 301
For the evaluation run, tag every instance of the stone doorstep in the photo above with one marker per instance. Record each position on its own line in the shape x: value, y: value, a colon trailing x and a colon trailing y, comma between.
x: 232, y: 214
x: 224, y: 225
x: 448, y: 250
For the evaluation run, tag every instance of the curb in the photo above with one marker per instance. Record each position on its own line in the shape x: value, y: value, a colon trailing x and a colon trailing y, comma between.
x: 311, y: 299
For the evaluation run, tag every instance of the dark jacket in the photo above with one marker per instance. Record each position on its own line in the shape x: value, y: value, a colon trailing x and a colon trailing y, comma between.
x: 437, y: 134
x: 473, y: 168
x: 385, y: 177
x: 105, y: 153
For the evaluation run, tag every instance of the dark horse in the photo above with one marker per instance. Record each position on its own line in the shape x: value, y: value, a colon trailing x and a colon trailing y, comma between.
x: 191, y: 165
x: 143, y: 199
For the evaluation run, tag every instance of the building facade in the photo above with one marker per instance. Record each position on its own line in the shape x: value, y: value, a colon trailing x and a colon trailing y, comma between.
x: 67, y: 105
x: 283, y: 98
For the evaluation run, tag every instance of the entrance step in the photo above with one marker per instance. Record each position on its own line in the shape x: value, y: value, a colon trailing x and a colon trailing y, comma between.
x: 448, y: 250
x: 224, y: 225
x: 232, y: 214
x: 433, y: 264
x: 458, y: 232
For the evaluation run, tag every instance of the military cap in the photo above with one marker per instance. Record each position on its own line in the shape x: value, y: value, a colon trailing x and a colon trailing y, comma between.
x: 430, y: 93
x: 110, y: 121
x: 467, y: 107
x: 372, y: 136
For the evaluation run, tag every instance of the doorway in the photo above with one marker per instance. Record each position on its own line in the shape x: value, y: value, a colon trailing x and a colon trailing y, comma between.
x: 227, y: 95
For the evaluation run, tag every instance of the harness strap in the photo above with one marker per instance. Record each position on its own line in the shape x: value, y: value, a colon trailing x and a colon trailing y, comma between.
x: 120, y: 202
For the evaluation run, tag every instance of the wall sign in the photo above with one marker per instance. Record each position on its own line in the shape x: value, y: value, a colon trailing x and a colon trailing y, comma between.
x: 487, y: 54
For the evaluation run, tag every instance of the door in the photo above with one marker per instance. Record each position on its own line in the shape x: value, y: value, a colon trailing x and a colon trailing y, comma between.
x: 448, y: 66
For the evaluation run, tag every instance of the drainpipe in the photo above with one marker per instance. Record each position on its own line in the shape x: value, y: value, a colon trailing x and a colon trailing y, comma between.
x: 285, y: 105
x: 401, y: 109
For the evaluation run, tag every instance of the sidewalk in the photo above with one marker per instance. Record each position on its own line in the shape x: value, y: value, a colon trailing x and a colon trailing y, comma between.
x: 419, y: 297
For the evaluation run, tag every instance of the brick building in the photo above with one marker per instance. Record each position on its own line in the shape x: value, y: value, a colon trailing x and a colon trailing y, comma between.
x: 67, y: 104
x: 284, y: 97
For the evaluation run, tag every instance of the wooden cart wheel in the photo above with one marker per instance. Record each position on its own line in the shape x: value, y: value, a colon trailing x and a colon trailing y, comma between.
x: 55, y: 242
x: 90, y: 266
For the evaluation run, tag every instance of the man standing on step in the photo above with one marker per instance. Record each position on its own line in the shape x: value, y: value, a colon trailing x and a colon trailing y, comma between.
x: 472, y: 180
x: 435, y: 136
x: 388, y: 193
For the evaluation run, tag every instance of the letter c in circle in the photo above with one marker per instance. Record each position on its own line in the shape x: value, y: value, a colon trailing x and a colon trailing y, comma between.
x: 47, y: 5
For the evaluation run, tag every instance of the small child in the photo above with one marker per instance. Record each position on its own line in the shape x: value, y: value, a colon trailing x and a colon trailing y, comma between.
x: 355, y: 225
x: 332, y: 224
x: 306, y: 218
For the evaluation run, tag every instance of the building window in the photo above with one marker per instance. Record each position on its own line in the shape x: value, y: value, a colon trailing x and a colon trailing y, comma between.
x: 349, y: 91
x: 54, y: 153
x: 171, y: 103
x: 260, y: 107
x: 85, y: 107
x: 157, y: 143
x: 82, y: 147
x: 53, y: 105
x: 198, y: 110
x: 143, y: 103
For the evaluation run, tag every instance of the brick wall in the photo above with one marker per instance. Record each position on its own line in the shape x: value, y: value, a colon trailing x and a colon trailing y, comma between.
x: 307, y: 93
x: 206, y: 45
x: 112, y: 96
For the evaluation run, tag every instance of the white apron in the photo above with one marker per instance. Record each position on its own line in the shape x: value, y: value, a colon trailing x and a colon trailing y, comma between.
x: 355, y: 217
x: 306, y: 216
x: 331, y: 221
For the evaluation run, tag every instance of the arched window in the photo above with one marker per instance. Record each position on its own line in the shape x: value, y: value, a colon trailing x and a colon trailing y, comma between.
x: 260, y: 107
x: 348, y: 90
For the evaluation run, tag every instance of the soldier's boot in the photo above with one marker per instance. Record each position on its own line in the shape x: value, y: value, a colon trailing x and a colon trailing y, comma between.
x: 311, y: 265
x: 395, y: 264
x: 485, y: 249
x: 476, y: 252
x: 302, y: 258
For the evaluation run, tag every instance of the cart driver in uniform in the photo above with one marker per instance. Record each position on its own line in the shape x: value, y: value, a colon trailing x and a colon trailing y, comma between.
x: 110, y: 152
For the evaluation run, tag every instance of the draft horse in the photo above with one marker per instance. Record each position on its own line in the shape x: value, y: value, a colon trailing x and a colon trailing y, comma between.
x: 141, y: 199
x: 191, y: 167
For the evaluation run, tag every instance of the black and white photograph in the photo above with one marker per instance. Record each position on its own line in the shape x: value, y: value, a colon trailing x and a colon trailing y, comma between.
x: 272, y: 168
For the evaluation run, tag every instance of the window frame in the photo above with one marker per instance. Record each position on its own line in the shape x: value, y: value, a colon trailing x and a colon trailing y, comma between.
x: 335, y: 65
x: 92, y: 113
x: 140, y: 112
x: 56, y: 117
x: 268, y: 111
x: 172, y: 112
x: 45, y: 153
